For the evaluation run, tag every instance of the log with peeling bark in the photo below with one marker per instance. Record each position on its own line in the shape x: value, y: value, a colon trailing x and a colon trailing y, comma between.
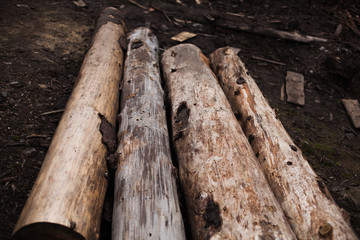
x: 226, y: 193
x: 67, y: 198
x: 146, y: 203
x: 303, y: 196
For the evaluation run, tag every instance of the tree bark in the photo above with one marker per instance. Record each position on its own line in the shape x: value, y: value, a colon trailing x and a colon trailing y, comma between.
x: 227, y: 196
x: 67, y: 198
x: 146, y: 201
x: 303, y: 196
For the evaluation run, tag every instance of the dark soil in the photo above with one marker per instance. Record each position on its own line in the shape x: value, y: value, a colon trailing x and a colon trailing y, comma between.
x: 42, y: 45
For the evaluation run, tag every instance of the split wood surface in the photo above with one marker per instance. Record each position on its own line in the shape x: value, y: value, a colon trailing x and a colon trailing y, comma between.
x: 303, y: 196
x: 226, y: 193
x: 67, y: 198
x: 146, y: 203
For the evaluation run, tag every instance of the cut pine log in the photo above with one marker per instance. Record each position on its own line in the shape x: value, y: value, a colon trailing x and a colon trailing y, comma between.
x: 226, y: 193
x: 303, y: 196
x: 146, y: 203
x: 67, y: 198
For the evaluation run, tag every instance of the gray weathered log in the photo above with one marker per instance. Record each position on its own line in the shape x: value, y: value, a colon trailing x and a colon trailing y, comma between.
x: 146, y: 203
x: 303, y: 196
x: 67, y: 198
x: 226, y: 193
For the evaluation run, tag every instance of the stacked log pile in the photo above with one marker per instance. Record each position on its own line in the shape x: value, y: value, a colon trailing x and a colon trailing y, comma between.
x: 239, y: 181
x: 303, y: 196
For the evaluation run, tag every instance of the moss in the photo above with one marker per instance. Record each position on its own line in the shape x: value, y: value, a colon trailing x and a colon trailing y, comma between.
x: 324, y: 148
x: 346, y: 175
x: 15, y: 138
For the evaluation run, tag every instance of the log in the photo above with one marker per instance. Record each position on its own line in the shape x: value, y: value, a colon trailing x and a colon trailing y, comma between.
x: 146, y: 202
x: 67, y: 197
x: 303, y: 196
x: 226, y: 193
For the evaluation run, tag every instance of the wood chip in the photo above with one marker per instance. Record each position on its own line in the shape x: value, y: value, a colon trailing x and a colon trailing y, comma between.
x: 183, y: 36
x: 43, y: 86
x: 80, y: 3
x: 338, y: 30
x: 353, y: 110
x: 295, y: 88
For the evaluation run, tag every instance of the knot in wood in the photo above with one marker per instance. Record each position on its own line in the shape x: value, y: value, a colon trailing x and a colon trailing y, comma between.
x: 325, y: 230
x: 240, y: 80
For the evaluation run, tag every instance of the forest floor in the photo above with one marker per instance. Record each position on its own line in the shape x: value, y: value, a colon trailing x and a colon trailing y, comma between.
x: 42, y: 45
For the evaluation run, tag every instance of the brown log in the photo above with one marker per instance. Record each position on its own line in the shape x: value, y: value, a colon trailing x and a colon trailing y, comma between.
x: 226, y: 193
x: 146, y: 203
x: 303, y: 196
x: 67, y: 198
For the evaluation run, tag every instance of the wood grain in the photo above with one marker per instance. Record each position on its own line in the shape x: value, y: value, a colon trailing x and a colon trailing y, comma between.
x: 146, y: 202
x: 227, y: 196
x: 303, y: 196
x: 67, y: 198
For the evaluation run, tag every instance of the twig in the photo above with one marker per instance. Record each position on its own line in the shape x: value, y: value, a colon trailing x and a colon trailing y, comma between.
x: 164, y: 13
x: 269, y: 61
x: 15, y: 144
x: 206, y: 35
x: 236, y: 14
x: 52, y: 112
x: 141, y: 6
x: 270, y: 32
x: 36, y: 136
x: 7, y: 179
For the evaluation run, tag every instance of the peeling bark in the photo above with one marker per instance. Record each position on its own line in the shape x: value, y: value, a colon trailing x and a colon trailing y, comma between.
x: 146, y: 203
x: 304, y: 198
x: 67, y: 198
x: 227, y: 196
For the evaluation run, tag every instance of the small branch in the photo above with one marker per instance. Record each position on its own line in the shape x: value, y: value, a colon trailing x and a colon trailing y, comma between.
x: 36, y: 136
x: 269, y: 61
x: 141, y: 6
x: 164, y: 13
x: 236, y: 14
x: 270, y: 32
x: 52, y: 112
x: 7, y: 179
x: 15, y: 144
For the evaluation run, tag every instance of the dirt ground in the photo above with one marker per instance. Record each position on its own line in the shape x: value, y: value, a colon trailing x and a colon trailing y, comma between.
x: 42, y: 45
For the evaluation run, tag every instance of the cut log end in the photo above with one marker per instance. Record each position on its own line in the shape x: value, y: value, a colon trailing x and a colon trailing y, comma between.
x: 48, y: 231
